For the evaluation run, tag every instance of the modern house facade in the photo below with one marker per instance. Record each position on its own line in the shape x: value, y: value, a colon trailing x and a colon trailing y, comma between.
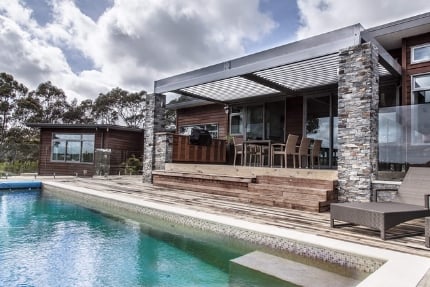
x: 364, y: 92
x: 86, y: 150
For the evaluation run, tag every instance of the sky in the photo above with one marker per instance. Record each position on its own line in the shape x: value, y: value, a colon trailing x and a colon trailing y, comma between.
x: 88, y: 47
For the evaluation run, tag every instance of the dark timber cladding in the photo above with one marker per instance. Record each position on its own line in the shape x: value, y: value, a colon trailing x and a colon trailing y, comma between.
x: 123, y: 142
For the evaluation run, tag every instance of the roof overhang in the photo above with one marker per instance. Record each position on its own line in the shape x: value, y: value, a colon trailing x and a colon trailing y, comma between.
x: 82, y: 126
x: 286, y: 70
x: 390, y: 35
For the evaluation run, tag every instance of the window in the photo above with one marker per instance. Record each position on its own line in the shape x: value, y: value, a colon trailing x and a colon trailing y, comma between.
x: 421, y: 89
x: 421, y: 109
x: 73, y: 148
x: 236, y: 121
x: 420, y: 54
x: 211, y: 128
x: 255, y: 122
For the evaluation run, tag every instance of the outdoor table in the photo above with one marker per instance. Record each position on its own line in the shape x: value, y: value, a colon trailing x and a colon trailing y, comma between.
x: 267, y: 143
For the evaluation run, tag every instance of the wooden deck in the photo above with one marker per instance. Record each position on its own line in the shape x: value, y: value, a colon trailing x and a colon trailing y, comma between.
x: 311, y: 222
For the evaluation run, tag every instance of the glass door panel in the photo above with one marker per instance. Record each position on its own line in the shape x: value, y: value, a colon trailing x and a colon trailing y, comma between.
x: 254, y: 122
x: 321, y: 123
x: 275, y: 118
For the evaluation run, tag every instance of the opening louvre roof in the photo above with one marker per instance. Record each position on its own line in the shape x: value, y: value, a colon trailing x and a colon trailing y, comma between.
x: 284, y: 70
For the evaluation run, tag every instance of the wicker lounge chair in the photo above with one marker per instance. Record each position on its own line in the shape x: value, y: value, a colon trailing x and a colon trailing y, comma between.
x: 411, y: 201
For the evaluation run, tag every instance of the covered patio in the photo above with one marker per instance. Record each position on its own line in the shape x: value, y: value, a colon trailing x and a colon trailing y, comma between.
x: 325, y: 87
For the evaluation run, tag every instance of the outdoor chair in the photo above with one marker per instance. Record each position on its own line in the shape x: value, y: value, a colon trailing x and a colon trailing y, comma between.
x: 410, y: 202
x: 238, y: 151
x: 302, y: 151
x: 315, y: 153
x: 286, y: 149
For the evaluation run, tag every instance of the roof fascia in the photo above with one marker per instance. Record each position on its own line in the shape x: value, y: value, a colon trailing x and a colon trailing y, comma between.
x: 313, y: 47
x: 400, y: 25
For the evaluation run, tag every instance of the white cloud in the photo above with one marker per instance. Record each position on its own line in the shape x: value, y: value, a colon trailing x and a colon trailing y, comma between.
x: 319, y: 16
x: 132, y: 44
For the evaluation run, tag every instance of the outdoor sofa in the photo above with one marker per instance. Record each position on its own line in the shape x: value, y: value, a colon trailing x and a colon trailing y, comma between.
x: 410, y: 202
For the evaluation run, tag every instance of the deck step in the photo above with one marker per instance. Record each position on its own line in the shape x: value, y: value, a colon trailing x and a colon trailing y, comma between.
x: 286, y: 272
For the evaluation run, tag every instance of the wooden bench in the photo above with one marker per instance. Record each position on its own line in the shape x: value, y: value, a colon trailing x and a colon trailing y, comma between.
x: 229, y: 185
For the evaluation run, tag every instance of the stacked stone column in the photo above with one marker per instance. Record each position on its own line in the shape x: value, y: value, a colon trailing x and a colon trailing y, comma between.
x: 358, y: 93
x: 155, y: 122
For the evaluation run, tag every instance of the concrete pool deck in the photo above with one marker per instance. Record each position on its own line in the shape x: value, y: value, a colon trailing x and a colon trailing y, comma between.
x: 398, y: 268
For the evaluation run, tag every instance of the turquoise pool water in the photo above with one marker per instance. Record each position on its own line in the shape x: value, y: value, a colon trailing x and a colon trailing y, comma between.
x: 45, y: 241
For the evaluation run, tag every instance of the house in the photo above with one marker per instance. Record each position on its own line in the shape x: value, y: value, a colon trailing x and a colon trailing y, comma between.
x: 364, y: 92
x: 86, y: 150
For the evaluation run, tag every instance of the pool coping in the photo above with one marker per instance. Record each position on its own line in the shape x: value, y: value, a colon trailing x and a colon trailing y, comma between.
x: 398, y: 269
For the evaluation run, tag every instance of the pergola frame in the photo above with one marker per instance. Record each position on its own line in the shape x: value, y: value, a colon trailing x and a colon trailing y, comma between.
x: 284, y: 70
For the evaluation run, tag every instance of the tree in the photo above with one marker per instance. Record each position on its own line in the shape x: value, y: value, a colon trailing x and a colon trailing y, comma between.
x: 28, y: 110
x: 79, y: 114
x: 53, y: 102
x: 132, y: 108
x: 119, y: 104
x: 104, y: 109
x: 10, y: 92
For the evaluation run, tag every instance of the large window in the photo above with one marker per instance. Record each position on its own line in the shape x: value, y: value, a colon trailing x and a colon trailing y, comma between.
x: 73, y: 147
x: 421, y: 89
x: 322, y: 123
x: 255, y: 122
x: 420, y: 53
x: 211, y: 128
x: 420, y: 132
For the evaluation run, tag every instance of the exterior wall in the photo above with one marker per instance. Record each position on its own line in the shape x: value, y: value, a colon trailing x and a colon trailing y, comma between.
x: 48, y: 167
x: 208, y: 114
x: 122, y: 143
x: 358, y: 94
x: 412, y: 69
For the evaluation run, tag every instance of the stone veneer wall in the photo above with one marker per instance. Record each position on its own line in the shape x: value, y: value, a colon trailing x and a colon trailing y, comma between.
x: 163, y: 150
x: 358, y: 93
x: 154, y: 122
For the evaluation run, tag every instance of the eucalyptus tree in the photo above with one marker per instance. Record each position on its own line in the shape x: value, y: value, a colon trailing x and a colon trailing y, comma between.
x: 10, y: 92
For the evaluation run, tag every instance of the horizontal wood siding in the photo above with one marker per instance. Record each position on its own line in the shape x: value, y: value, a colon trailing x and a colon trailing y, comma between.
x: 183, y: 151
x: 208, y: 114
x: 122, y: 143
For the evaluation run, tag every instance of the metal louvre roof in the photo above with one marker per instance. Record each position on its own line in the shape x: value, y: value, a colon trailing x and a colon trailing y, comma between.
x: 230, y: 89
x: 305, y: 74
x: 284, y: 70
x: 287, y: 79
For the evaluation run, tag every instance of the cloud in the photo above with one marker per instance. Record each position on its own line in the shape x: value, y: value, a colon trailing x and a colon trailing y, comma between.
x: 319, y: 16
x: 130, y: 45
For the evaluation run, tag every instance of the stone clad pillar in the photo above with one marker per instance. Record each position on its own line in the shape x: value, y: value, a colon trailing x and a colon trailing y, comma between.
x: 155, y: 121
x: 163, y: 150
x: 358, y: 93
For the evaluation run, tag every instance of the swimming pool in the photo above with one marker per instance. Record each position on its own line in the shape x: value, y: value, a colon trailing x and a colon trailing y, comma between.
x: 46, y: 241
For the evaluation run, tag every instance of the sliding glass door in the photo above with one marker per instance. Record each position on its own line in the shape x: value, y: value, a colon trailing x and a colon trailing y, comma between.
x: 321, y: 120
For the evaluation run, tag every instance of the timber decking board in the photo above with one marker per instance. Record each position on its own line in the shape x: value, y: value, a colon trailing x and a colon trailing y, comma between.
x: 310, y: 222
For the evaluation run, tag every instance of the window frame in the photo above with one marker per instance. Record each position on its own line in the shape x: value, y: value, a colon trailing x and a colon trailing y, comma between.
x: 414, y: 120
x: 66, y: 142
x: 239, y: 114
x: 413, y: 60
x: 203, y: 127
